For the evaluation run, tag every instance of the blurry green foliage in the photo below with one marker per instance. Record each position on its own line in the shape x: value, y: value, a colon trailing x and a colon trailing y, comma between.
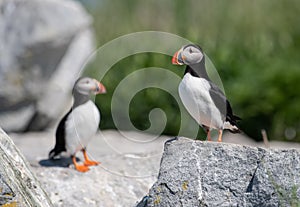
x: 255, y: 46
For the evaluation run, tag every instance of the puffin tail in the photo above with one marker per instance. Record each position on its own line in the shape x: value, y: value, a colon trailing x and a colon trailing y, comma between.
x: 231, y: 120
x: 232, y: 127
x: 231, y: 124
x: 55, y: 152
x: 52, y: 154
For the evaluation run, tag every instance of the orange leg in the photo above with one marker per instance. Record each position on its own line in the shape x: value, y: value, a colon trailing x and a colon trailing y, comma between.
x: 208, y: 135
x: 220, y: 136
x: 80, y: 168
x: 87, y: 161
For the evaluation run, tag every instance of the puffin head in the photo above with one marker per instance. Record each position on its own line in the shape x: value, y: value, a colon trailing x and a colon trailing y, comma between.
x: 87, y: 86
x: 188, y: 55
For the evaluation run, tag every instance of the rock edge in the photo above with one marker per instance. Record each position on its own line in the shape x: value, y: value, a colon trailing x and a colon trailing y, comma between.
x: 196, y: 173
x: 18, y: 185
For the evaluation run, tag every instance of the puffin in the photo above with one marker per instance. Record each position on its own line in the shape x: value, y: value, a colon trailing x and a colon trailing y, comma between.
x: 80, y: 124
x: 203, y: 99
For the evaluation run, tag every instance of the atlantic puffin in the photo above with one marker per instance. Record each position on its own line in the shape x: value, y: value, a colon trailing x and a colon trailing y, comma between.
x: 203, y: 99
x: 80, y: 124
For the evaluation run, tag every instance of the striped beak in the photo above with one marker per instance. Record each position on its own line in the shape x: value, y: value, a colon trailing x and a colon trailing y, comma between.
x: 177, y: 58
x: 100, y: 88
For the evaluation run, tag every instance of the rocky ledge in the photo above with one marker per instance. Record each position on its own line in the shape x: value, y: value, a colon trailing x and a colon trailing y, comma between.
x: 195, y: 173
x: 18, y: 185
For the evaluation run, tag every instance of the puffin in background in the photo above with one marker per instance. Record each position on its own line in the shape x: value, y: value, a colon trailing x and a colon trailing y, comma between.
x: 204, y: 101
x: 80, y: 124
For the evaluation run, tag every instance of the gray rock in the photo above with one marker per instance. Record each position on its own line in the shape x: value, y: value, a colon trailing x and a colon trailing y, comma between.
x: 43, y: 47
x: 195, y: 173
x: 127, y: 170
x: 18, y: 186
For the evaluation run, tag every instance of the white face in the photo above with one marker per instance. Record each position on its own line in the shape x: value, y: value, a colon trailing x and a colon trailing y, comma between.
x: 191, y: 55
x: 85, y: 85
x: 88, y: 86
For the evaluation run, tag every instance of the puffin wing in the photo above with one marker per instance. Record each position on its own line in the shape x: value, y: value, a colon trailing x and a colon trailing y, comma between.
x: 218, y: 98
x: 224, y: 107
x: 60, y: 145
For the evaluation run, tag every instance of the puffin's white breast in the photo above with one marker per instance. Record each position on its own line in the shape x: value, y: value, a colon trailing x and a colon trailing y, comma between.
x: 81, y: 126
x: 194, y: 94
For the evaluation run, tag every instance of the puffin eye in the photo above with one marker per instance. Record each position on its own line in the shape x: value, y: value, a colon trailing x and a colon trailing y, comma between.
x: 190, y: 50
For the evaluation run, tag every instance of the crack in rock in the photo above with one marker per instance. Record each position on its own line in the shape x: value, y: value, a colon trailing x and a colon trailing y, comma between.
x: 252, y: 180
x: 170, y: 190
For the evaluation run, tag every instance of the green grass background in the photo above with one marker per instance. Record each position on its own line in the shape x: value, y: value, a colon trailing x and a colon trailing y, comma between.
x: 254, y: 44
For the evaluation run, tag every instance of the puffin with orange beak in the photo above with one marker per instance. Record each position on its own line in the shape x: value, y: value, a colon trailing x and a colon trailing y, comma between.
x: 204, y: 101
x: 80, y: 124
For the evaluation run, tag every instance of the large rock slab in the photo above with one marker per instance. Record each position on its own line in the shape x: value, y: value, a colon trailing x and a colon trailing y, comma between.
x: 43, y: 47
x: 127, y: 170
x: 18, y: 185
x: 195, y: 173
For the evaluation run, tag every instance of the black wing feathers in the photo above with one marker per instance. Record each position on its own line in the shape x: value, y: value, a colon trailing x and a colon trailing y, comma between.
x: 223, y: 105
x: 218, y: 98
x: 60, y: 145
x: 231, y: 118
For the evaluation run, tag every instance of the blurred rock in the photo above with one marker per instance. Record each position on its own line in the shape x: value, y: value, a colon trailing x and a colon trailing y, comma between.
x: 18, y: 186
x: 43, y: 47
x: 195, y: 173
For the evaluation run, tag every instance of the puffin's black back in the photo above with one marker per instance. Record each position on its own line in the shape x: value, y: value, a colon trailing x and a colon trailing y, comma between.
x: 60, y: 145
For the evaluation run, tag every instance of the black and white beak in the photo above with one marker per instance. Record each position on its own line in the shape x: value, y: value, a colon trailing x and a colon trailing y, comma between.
x: 178, y: 58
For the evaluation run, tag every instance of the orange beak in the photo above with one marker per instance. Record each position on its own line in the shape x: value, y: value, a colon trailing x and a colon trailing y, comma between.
x: 177, y: 58
x: 100, y: 89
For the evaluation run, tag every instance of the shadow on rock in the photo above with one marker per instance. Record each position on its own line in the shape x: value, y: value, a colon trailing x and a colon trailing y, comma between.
x: 60, y: 162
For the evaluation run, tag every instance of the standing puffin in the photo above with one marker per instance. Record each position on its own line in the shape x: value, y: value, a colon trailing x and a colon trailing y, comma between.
x: 205, y: 102
x: 80, y: 124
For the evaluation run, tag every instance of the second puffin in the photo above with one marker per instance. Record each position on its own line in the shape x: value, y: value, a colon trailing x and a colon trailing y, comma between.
x: 80, y: 124
x: 205, y: 102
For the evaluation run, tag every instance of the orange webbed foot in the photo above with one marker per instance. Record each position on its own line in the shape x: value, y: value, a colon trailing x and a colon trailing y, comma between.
x: 87, y: 161
x: 82, y: 168
x: 91, y: 163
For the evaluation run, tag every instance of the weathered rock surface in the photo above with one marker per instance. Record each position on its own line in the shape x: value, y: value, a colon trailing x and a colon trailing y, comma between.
x: 43, y: 47
x: 127, y: 170
x: 18, y: 185
x: 195, y: 173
